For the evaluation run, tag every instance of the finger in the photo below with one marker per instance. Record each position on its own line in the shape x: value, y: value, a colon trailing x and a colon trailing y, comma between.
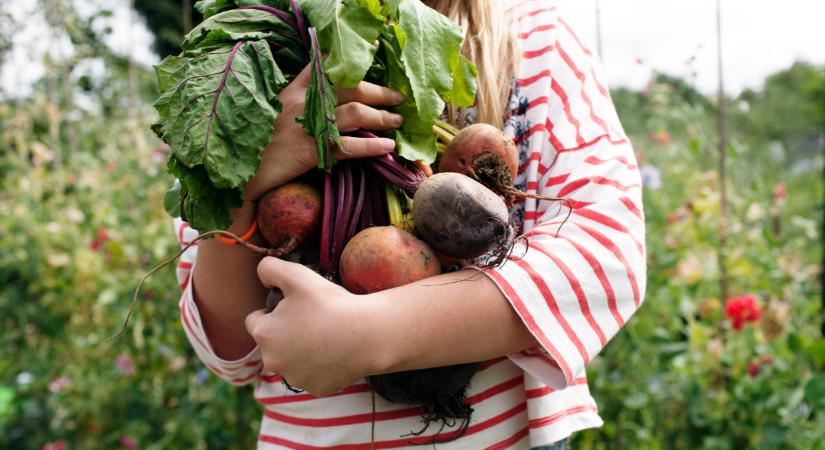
x: 252, y: 321
x: 274, y: 272
x: 363, y: 147
x: 304, y: 77
x: 371, y: 94
x: 354, y: 116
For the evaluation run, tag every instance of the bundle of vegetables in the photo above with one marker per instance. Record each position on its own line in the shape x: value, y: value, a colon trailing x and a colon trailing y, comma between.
x: 217, y: 109
x: 219, y: 103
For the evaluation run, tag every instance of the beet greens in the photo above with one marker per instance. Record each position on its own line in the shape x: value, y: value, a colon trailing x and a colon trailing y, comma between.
x: 218, y: 98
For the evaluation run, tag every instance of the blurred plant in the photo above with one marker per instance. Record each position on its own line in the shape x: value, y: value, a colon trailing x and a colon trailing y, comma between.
x: 678, y: 376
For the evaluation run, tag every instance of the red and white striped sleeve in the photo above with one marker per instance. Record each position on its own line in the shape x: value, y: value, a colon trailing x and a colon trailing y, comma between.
x: 574, y: 284
x: 238, y: 372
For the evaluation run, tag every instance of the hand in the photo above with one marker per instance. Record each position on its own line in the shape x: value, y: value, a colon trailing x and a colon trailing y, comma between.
x: 291, y: 152
x: 318, y: 338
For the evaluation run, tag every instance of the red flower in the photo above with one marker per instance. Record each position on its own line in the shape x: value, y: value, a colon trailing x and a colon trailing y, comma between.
x: 102, y: 235
x: 753, y: 369
x: 741, y: 310
x: 95, y: 245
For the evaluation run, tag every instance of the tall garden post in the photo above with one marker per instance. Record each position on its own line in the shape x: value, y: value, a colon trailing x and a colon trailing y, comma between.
x: 723, y: 191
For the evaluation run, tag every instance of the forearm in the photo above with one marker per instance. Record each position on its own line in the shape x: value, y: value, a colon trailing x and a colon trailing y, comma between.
x: 227, y: 288
x: 453, y: 318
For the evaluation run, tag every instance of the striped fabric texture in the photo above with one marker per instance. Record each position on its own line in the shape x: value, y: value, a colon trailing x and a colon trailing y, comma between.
x: 574, y: 285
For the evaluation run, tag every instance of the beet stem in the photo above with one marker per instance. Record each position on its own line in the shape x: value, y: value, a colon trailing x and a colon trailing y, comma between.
x: 340, y: 226
x: 359, y: 203
x: 326, y: 232
x: 299, y: 19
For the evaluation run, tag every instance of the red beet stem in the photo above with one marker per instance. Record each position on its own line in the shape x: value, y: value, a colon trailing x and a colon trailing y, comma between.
x: 326, y: 225
x: 359, y: 204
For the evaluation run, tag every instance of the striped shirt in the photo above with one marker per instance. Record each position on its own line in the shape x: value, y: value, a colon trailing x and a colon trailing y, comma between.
x: 573, y: 286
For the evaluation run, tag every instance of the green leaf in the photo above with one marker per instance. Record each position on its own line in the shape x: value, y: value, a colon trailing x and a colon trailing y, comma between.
x: 816, y: 350
x: 217, y: 109
x: 200, y: 203
x: 240, y: 24
x: 432, y: 56
x: 391, y: 9
x: 815, y: 391
x: 172, y: 200
x: 319, y: 110
x: 415, y: 140
x: 347, y: 30
x: 319, y: 13
x: 429, y: 71
x: 349, y: 41
x: 464, y: 89
x: 6, y: 403
x: 209, y: 8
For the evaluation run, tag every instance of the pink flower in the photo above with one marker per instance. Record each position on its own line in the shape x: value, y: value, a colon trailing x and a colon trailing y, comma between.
x: 95, y: 245
x: 128, y: 442
x: 58, y: 384
x: 125, y: 365
x: 780, y: 191
x: 741, y: 310
x: 753, y: 369
x: 102, y: 235
x: 59, y: 444
x: 158, y: 156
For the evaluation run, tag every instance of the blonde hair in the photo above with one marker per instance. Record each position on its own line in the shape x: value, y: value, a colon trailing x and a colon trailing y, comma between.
x: 491, y: 46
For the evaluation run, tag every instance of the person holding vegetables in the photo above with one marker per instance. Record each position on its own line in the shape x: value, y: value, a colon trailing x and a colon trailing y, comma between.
x: 534, y: 322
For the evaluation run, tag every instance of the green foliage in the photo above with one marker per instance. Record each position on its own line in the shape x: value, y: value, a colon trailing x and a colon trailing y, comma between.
x: 678, y: 376
x: 318, y: 118
x: 218, y: 100
x: 217, y: 111
x: 80, y: 228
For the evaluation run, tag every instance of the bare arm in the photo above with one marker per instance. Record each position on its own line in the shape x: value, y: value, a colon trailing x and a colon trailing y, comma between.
x: 227, y: 289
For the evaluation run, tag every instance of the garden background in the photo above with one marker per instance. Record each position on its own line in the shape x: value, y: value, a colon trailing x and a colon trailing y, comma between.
x: 81, y: 221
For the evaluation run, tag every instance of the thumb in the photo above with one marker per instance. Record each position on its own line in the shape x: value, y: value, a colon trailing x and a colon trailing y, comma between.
x: 252, y: 321
x: 275, y: 272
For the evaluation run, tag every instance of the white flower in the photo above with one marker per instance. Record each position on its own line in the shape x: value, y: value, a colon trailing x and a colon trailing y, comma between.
x: 24, y: 378
x: 75, y: 215
x: 651, y: 176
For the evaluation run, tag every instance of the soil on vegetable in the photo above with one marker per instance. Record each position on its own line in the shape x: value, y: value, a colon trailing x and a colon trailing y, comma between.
x: 489, y: 170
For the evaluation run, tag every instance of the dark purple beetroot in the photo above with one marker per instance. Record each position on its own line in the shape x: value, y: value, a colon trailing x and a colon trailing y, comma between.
x: 459, y: 217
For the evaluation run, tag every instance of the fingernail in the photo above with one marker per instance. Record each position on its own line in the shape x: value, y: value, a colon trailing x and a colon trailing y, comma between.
x: 387, y: 145
x: 398, y: 97
x: 397, y: 119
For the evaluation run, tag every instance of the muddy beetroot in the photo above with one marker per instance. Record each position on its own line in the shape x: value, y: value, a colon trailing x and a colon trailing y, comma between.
x: 485, y: 153
x: 289, y: 215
